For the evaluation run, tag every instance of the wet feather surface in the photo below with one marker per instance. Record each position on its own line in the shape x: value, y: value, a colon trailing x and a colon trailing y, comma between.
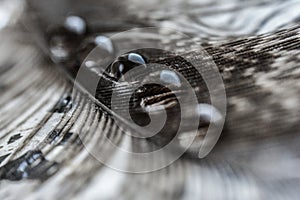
x: 258, y: 152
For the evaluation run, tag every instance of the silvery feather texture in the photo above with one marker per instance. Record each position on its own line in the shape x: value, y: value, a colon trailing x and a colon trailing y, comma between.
x: 256, y: 49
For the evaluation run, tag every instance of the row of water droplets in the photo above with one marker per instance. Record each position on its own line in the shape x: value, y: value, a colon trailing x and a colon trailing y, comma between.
x: 71, y: 43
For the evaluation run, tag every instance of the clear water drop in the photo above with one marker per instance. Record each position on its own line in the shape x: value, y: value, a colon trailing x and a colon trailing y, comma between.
x: 208, y: 113
x: 125, y: 63
x: 63, y: 44
x: 105, y: 43
x: 75, y: 24
x: 168, y: 76
x: 136, y: 58
x: 96, y: 51
x: 59, y: 53
x: 90, y: 64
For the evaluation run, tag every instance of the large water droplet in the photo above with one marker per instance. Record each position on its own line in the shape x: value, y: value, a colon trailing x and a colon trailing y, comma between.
x: 208, y: 113
x: 96, y: 51
x: 105, y: 43
x: 58, y: 51
x: 194, y: 139
x: 136, y: 58
x: 125, y: 63
x: 63, y: 44
x: 75, y: 24
x: 170, y: 77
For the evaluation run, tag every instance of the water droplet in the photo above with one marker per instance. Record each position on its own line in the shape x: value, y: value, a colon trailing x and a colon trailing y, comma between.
x: 63, y: 105
x: 194, y: 139
x: 31, y: 165
x: 125, y: 63
x: 53, y: 136
x: 66, y: 137
x: 170, y: 77
x: 157, y: 94
x: 58, y: 51
x: 105, y: 43
x: 208, y: 113
x: 136, y: 58
x: 14, y: 138
x: 75, y: 24
x: 63, y: 44
x: 160, y: 87
x: 101, y: 49
x: 90, y: 64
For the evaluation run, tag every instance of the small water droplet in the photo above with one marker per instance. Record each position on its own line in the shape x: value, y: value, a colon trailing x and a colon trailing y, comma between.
x: 14, y: 138
x: 125, y: 63
x: 58, y: 51
x: 66, y: 137
x: 53, y: 136
x: 63, y: 105
x: 75, y: 24
x: 31, y: 165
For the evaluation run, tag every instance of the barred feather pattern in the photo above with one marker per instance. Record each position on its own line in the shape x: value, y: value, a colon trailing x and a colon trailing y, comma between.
x: 256, y: 157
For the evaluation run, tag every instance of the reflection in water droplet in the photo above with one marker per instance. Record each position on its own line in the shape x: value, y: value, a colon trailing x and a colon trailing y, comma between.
x: 63, y: 105
x: 14, y: 138
x: 193, y: 139
x: 170, y: 77
x: 59, y: 53
x: 90, y: 64
x: 209, y: 113
x: 63, y: 44
x: 67, y: 137
x: 101, y: 51
x: 105, y: 43
x: 125, y: 63
x: 160, y: 87
x: 75, y: 24
x: 31, y: 165
x: 136, y: 58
